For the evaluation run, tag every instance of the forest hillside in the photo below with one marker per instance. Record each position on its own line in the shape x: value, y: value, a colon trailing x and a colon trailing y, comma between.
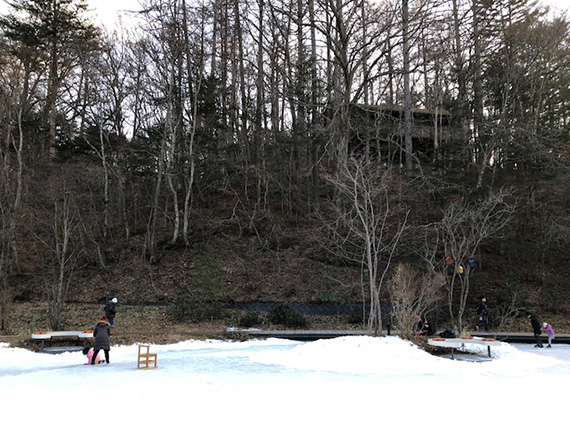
x: 271, y: 258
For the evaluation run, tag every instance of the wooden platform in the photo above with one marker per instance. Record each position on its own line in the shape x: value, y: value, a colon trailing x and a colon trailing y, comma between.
x: 304, y: 334
x: 43, y: 335
x: 52, y: 338
x: 60, y: 349
x: 521, y: 337
x: 461, y: 342
x: 474, y: 358
x: 308, y: 335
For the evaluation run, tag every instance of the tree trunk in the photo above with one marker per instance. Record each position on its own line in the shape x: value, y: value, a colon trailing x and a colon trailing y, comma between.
x: 62, y: 228
x: 482, y: 153
x: 194, y: 93
x: 150, y: 244
x: 408, y: 148
x: 314, y: 193
x: 463, y: 107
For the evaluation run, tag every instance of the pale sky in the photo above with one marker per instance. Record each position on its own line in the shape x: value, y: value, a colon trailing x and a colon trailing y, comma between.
x: 559, y: 4
x: 108, y: 11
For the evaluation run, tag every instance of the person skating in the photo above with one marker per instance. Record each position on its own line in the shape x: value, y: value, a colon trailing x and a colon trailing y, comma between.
x: 547, y: 328
x: 102, y: 334
x: 536, y: 328
x: 110, y: 310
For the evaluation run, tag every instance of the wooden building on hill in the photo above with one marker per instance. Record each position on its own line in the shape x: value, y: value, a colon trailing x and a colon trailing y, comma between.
x: 379, y: 131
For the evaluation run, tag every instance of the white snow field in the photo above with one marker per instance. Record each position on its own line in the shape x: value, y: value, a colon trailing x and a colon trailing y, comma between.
x: 348, y: 382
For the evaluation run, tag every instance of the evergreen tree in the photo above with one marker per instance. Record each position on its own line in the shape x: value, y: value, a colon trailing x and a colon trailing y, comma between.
x: 51, y: 34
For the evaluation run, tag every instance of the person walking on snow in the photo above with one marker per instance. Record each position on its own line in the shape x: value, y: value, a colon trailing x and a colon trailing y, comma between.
x: 110, y: 310
x: 102, y: 334
x: 535, y: 323
x: 547, y: 328
x: 483, y: 314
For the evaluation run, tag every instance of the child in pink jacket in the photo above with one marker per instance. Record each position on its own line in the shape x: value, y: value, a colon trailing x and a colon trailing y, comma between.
x: 547, y: 328
x: 89, y: 353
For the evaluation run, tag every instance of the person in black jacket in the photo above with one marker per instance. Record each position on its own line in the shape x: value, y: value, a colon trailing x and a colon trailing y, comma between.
x: 423, y: 327
x: 102, y: 334
x: 483, y: 314
x: 110, y: 310
x: 428, y: 329
x: 536, y: 328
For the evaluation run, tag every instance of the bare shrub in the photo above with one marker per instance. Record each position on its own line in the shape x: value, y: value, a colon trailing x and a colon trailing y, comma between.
x: 413, y: 293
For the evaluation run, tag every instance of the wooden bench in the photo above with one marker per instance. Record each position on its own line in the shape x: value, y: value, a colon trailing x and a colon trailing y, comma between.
x: 146, y: 360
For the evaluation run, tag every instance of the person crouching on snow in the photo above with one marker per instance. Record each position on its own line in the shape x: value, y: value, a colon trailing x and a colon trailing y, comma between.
x: 89, y: 353
x: 547, y: 328
x: 102, y: 334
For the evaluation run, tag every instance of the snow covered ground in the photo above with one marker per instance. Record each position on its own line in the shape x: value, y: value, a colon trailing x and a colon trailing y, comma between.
x: 343, y: 382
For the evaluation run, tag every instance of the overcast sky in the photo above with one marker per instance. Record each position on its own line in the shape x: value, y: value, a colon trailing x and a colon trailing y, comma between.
x: 560, y: 4
x: 108, y: 10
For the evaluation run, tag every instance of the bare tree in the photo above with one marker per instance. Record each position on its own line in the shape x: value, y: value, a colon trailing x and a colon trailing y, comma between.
x: 368, y: 229
x: 16, y: 80
x: 464, y: 226
x: 195, y: 73
x: 348, y: 56
x: 63, y: 257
